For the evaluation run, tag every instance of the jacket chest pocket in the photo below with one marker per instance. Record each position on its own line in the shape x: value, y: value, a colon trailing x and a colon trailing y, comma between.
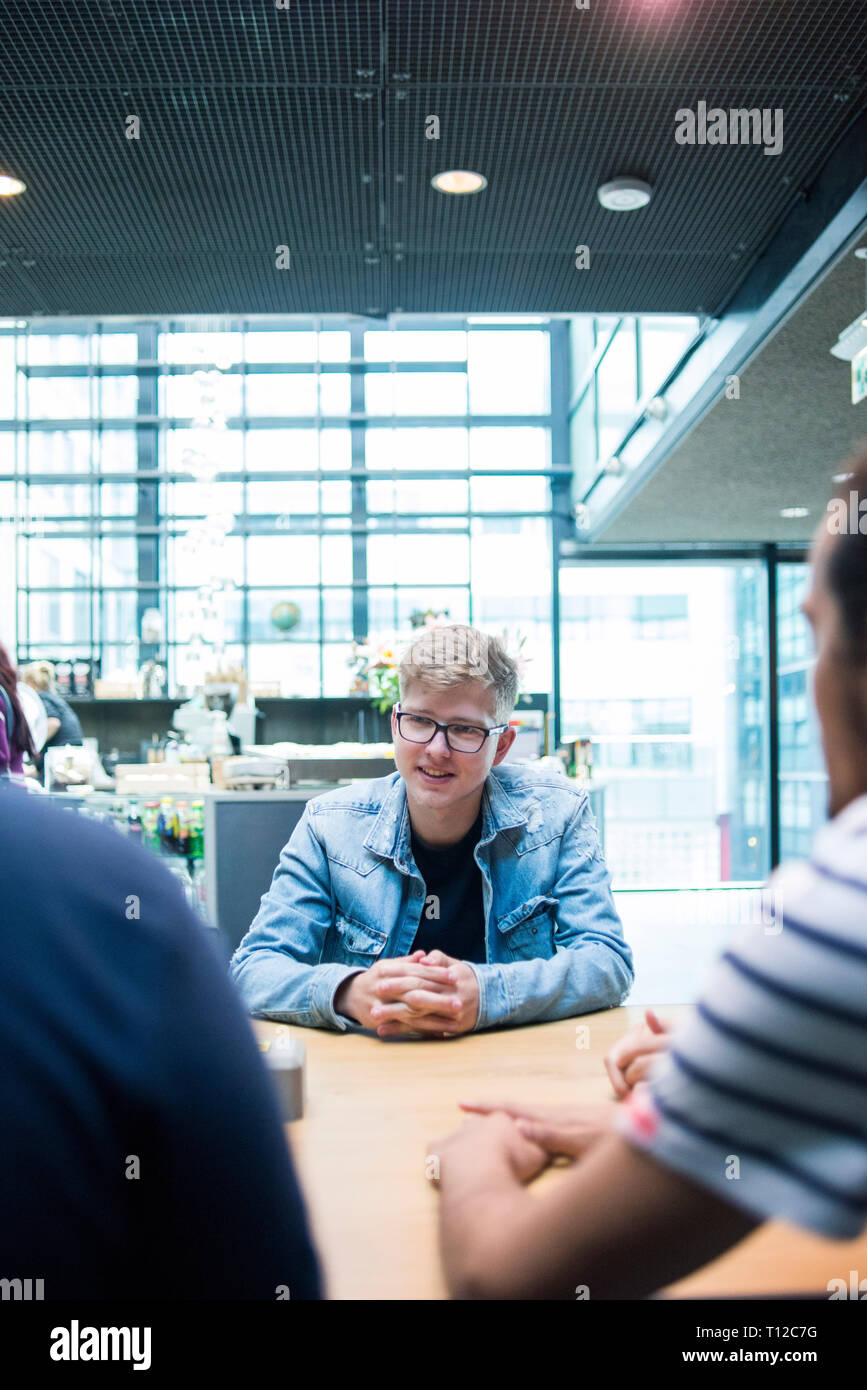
x: 356, y: 943
x: 528, y: 930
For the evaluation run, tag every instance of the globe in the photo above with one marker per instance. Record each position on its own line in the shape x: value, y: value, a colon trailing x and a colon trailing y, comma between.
x: 285, y: 616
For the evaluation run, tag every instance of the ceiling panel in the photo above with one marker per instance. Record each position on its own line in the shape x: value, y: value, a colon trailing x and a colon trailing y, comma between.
x: 306, y: 127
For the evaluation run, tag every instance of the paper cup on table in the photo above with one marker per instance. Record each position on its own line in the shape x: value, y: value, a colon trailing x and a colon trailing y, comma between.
x: 285, y: 1060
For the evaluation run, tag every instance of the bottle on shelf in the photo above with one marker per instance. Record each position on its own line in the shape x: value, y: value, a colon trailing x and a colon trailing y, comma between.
x: 134, y: 827
x: 168, y: 826
x: 183, y: 828
x: 197, y: 832
x: 150, y: 828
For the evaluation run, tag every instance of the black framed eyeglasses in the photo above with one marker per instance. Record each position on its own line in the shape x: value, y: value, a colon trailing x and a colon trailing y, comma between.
x: 461, y: 738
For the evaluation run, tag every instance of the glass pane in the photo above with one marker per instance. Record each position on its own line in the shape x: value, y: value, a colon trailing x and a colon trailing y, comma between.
x: 7, y: 377
x: 418, y: 559
x: 803, y: 777
x: 281, y: 394
x: 582, y: 441
x: 202, y: 499
x: 283, y: 499
x: 284, y: 614
x: 115, y: 450
x: 192, y: 663
x: 201, y: 348
x: 190, y: 559
x: 115, y: 348
x: 119, y: 560
x: 186, y: 395
x: 522, y: 611
x: 119, y: 663
x: 336, y: 560
x: 66, y: 349
x: 337, y: 615
x: 293, y: 665
x: 337, y: 668
x: 416, y: 393
x: 417, y: 449
x: 210, y: 615
x: 415, y: 345
x: 521, y: 447
x: 60, y: 618
x: 118, y: 395
x: 617, y: 388
x: 288, y: 451
x: 415, y: 496
x: 282, y: 347
x: 395, y: 608
x: 59, y: 561
x: 61, y: 500
x: 222, y: 448
x: 278, y: 560
x: 581, y: 348
x: 510, y: 494
x: 509, y: 373
x: 335, y: 449
x: 119, y: 621
x: 58, y: 398
x: 663, y: 668
x: 337, y: 497
x: 335, y: 394
x: 59, y: 451
x: 118, y: 499
x: 335, y: 346
x: 663, y: 343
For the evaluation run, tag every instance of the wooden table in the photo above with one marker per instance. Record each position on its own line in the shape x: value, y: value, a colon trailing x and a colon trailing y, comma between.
x: 372, y: 1108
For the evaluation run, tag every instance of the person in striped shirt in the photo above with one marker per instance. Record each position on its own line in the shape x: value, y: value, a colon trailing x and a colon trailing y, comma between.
x: 756, y: 1108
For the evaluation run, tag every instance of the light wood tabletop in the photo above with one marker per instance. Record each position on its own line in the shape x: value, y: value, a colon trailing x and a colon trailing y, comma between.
x: 373, y: 1107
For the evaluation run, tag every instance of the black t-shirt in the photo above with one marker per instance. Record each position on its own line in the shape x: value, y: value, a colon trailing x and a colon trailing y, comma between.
x: 141, y: 1147
x: 70, y: 727
x: 453, y: 917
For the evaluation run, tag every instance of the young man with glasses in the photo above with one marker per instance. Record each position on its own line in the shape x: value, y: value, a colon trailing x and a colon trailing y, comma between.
x: 456, y: 894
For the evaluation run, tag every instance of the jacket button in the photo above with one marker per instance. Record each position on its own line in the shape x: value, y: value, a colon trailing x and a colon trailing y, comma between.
x: 535, y: 930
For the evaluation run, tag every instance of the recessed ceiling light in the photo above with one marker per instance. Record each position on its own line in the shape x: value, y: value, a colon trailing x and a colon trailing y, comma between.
x: 624, y: 194
x: 794, y: 513
x: 459, y: 181
x: 9, y: 186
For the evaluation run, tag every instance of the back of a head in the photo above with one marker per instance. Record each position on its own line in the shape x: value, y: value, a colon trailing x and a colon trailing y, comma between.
x: 22, y: 739
x: 39, y: 675
x: 444, y: 658
x: 847, y: 558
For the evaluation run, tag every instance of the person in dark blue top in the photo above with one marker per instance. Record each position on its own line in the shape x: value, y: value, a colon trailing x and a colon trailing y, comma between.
x: 141, y: 1148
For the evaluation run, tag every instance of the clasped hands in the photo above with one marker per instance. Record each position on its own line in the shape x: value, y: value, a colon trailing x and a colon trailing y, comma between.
x: 423, y: 995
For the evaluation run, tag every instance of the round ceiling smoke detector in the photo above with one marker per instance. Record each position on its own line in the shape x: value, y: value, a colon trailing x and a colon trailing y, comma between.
x: 624, y: 195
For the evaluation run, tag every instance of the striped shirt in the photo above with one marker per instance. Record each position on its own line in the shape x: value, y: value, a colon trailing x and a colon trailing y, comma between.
x: 762, y: 1097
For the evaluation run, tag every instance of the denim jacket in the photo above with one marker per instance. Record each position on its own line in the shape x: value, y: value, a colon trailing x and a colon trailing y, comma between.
x: 347, y: 892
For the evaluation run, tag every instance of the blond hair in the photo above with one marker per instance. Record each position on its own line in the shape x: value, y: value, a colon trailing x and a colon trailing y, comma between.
x: 445, y: 657
x: 39, y: 675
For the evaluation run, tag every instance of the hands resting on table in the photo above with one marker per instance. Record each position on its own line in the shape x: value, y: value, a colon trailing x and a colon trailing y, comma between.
x: 420, y: 995
x: 531, y: 1135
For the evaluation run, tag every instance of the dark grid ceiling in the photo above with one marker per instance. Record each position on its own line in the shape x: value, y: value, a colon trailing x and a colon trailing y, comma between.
x: 305, y: 127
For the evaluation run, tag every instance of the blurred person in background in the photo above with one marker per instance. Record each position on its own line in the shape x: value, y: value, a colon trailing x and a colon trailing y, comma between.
x: 16, y: 739
x: 63, y: 725
x: 769, y: 1069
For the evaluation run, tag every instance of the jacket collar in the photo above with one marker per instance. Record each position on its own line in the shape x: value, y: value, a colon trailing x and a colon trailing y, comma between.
x: 390, y: 834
